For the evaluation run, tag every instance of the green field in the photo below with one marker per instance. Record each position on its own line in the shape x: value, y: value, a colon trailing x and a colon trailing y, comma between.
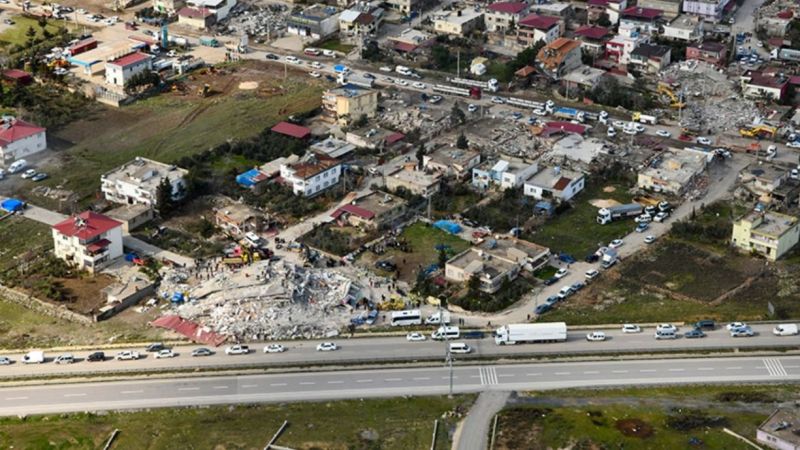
x: 337, y: 46
x: 17, y: 33
x: 400, y: 424
x: 21, y: 238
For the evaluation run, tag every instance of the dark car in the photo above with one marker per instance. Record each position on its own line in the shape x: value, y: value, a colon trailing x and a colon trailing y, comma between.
x: 96, y: 356
x: 577, y: 286
x: 550, y: 281
x: 157, y: 347
x: 541, y: 309
x: 202, y: 351
x: 369, y: 75
x: 696, y: 333
x: 706, y: 324
x: 592, y: 258
x: 39, y: 176
x: 473, y: 335
x: 272, y: 57
x: 386, y: 265
x: 553, y: 299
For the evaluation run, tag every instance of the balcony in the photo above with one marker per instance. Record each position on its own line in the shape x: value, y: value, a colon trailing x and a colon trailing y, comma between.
x: 97, y: 249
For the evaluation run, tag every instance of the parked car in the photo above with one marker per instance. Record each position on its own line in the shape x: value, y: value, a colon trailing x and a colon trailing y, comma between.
x: 616, y: 243
x: 550, y: 281
x: 539, y: 112
x: 642, y: 227
x: 96, y: 356
x: 662, y: 216
x: 237, y: 350
x: 274, y: 348
x: 793, y: 144
x: 705, y: 324
x: 28, y: 174
x: 39, y: 177
x: 662, y: 327
x: 155, y: 347
x: 596, y: 336
x: 415, y: 337
x: 694, y: 333
x: 577, y: 286
x: 611, y: 132
x: 419, y: 85
x: 472, y: 108
x: 643, y: 218
x: 386, y: 265
x: 663, y: 133
x: 565, y: 292
x: 733, y: 325
x: 541, y: 309
x: 498, y: 100
x: 327, y: 347
x: 66, y: 358
x: 435, y: 99
x: 272, y: 57
x: 561, y: 273
x: 703, y: 140
x: 552, y: 300
x: 5, y: 360
x: 202, y: 351
x: 591, y: 274
x: 649, y: 239
x: 166, y: 353
x: 127, y: 355
x: 631, y: 328
x: 475, y: 334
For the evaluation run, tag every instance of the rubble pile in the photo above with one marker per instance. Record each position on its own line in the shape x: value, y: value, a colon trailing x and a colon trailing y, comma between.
x: 260, y: 22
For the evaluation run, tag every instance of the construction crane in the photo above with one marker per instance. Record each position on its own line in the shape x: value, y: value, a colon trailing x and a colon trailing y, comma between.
x: 758, y: 131
x: 675, y: 102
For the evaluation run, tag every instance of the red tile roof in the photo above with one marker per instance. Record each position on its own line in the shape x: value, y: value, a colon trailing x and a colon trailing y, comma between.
x: 508, y: 7
x: 635, y: 12
x: 130, y: 59
x: 395, y: 137
x: 538, y: 22
x: 562, y: 183
x: 86, y: 225
x: 195, y: 13
x: 292, y: 130
x: 365, y: 19
x: 592, y: 32
x: 566, y: 127
x: 190, y: 329
x: 16, y: 74
x: 355, y: 210
x: 598, y: 2
x: 404, y: 47
x: 525, y: 71
x: 760, y: 79
x: 14, y: 130
x: 99, y: 245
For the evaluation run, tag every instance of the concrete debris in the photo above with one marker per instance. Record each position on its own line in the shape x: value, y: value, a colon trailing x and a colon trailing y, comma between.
x: 260, y: 22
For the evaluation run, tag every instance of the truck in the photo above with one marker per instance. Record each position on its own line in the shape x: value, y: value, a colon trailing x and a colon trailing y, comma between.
x: 519, y: 333
x: 569, y: 113
x: 34, y: 357
x: 608, y: 257
x: 127, y: 355
x: 355, y: 79
x: 209, y: 41
x: 491, y: 85
x: 341, y: 69
x: 473, y: 92
x: 437, y: 318
x: 608, y: 215
x: 785, y: 329
x: 524, y: 103
x: 644, y: 118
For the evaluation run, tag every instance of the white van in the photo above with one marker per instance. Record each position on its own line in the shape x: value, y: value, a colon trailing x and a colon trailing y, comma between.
x: 785, y: 329
x: 403, y: 70
x: 665, y: 334
x: 252, y: 238
x: 64, y: 359
x: 34, y: 357
x: 17, y: 166
x: 446, y: 333
x: 459, y: 347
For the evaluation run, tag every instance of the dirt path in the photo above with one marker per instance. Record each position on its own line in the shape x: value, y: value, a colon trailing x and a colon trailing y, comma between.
x: 473, y: 433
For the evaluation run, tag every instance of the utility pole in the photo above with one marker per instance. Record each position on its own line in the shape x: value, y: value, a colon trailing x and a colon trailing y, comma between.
x: 429, y: 218
x: 458, y: 64
x: 448, y: 357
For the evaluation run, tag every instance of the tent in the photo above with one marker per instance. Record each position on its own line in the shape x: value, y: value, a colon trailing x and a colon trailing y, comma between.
x: 446, y: 225
x: 250, y: 178
x: 12, y: 205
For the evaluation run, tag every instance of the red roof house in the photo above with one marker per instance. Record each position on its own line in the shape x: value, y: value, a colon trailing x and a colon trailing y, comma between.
x: 88, y: 240
x: 130, y: 59
x: 19, y: 139
x: 18, y: 76
x: 86, y: 225
x: 508, y: 7
x: 292, y: 130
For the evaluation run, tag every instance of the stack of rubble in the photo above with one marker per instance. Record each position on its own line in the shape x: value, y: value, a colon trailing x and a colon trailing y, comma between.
x: 260, y: 22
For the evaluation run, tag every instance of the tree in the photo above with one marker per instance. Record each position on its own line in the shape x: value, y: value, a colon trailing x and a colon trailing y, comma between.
x: 31, y: 34
x: 420, y: 155
x: 462, y: 141
x: 474, y: 284
x: 457, y: 116
x: 442, y: 257
x: 42, y: 22
x: 164, y: 199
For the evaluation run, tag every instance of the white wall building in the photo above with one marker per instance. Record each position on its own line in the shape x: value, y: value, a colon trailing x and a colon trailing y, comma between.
x: 220, y: 8
x: 89, y: 241
x: 137, y: 182
x: 710, y: 10
x: 506, y: 173
x: 122, y: 69
x: 311, y: 175
x: 19, y: 139
x: 554, y: 183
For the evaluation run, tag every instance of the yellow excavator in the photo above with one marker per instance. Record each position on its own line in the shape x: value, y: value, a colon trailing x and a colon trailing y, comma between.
x: 762, y: 131
x: 674, y: 101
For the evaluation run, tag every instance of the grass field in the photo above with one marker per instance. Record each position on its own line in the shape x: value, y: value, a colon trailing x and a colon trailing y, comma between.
x: 17, y: 33
x: 576, y: 231
x: 20, y: 237
x: 337, y: 46
x: 399, y: 424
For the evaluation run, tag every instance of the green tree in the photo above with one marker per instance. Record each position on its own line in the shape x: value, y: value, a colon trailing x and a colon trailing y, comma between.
x: 462, y: 141
x: 164, y: 200
x: 474, y: 284
x: 31, y: 34
x: 442, y: 257
x: 457, y: 116
x: 42, y: 22
x: 420, y: 155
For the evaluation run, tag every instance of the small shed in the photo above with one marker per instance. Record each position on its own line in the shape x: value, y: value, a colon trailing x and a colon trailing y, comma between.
x: 250, y: 178
x: 17, y: 76
x: 292, y: 130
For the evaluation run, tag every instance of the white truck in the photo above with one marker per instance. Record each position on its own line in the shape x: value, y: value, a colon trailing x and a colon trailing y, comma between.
x: 608, y: 257
x: 491, y: 85
x: 127, y: 355
x: 608, y: 215
x: 34, y: 357
x: 785, y: 329
x: 518, y: 333
x: 438, y: 318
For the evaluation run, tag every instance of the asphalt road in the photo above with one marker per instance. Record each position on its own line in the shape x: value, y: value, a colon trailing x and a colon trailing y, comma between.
x: 371, y: 350
x: 389, y: 383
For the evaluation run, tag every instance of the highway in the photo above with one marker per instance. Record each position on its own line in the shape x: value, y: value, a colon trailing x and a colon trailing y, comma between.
x: 389, y: 382
x: 388, y: 349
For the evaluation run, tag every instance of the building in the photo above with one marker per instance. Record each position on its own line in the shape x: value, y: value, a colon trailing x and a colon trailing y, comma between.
x: 292, y: 130
x: 684, y: 28
x: 237, y: 219
x: 711, y: 52
x: 199, y: 18
x: 312, y: 174
x: 219, y: 8
x: 758, y: 85
x: 120, y: 70
x: 17, y: 77
x: 620, y: 48
x: 88, y: 241
x: 137, y: 182
x: 410, y: 41
x: 376, y: 210
x: 333, y: 148
x: 354, y: 23
x: 132, y: 216
x: 584, y: 77
x: 349, y: 103
x: 403, y: 6
x: 502, y: 16
x: 317, y: 22
x: 777, y: 25
x: 417, y: 182
x: 559, y: 57
x: 534, y: 28
x: 452, y: 162
x: 19, y: 139
x: 768, y: 233
x: 554, y: 183
x: 639, y: 20
x: 561, y: 10
x: 609, y: 8
x: 673, y: 174
x: 780, y: 431
x: 670, y: 8
x: 168, y: 6
x: 651, y: 58
x: 460, y: 22
x: 593, y: 38
x: 710, y: 10
x: 495, y: 261
x: 762, y: 179
x: 374, y: 138
x: 505, y: 173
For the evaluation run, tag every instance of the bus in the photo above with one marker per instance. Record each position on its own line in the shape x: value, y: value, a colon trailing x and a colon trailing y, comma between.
x: 405, y: 318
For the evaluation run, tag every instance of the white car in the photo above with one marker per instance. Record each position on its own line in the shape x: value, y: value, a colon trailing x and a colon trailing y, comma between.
x: 472, y: 108
x: 591, y: 274
x: 639, y: 128
x: 316, y: 65
x: 497, y: 100
x: 618, y: 124
x: 539, y: 112
x: 734, y: 325
x: 166, y: 353
x: 237, y: 350
x: 628, y: 130
x: 28, y: 173
x: 793, y: 144
x: 616, y: 243
x: 663, y: 133
x: 274, y: 348
x: 127, y: 355
x: 330, y: 53
x: 662, y: 216
x: 561, y: 273
x: 5, y: 360
x: 703, y: 140
x: 415, y: 337
x: 315, y: 74
x: 419, y: 85
x: 401, y: 82
x: 666, y: 328
x: 565, y: 292
x: 631, y: 328
x: 386, y: 69
x: 596, y: 336
x: 649, y: 239
x: 293, y: 60
x: 643, y: 218
x: 759, y: 44
x: 611, y: 132
x: 326, y: 347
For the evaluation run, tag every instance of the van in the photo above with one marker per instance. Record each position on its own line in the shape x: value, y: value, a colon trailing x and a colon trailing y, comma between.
x: 312, y: 52
x: 446, y: 333
x: 64, y: 359
x: 459, y: 347
x: 785, y: 329
x: 34, y: 357
x: 252, y: 238
x: 17, y: 166
x: 707, y: 324
x: 665, y: 334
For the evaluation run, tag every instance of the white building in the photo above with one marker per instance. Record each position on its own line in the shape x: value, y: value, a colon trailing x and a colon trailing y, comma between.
x: 19, y: 139
x: 89, y: 241
x: 122, y: 69
x: 501, y: 16
x: 506, y: 173
x: 137, y: 182
x: 710, y: 10
x: 220, y: 8
x: 554, y: 183
x: 312, y: 174
x: 317, y: 22
x: 684, y: 28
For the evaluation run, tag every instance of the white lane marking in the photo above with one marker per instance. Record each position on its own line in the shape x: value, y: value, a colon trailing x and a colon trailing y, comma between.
x: 392, y: 379
x: 221, y: 387
x: 75, y: 395
x: 705, y: 368
x: 533, y: 374
x: 131, y: 392
x: 421, y: 378
x: 647, y: 370
x: 189, y: 389
x: 790, y: 367
x: 561, y: 373
x: 306, y: 383
x: 775, y: 367
x: 277, y: 384
x: 506, y: 375
x: 677, y: 370
x: 734, y: 368
x: 248, y: 386
x: 16, y: 398
x: 488, y: 376
x: 335, y: 382
x: 363, y: 381
x: 619, y: 371
x: 590, y: 372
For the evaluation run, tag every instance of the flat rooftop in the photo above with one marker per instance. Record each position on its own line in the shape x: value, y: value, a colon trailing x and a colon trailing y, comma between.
x: 144, y: 173
x: 453, y: 156
x: 771, y: 223
x: 554, y: 178
x: 417, y: 177
x: 677, y: 166
x: 783, y: 424
x: 467, y: 15
x: 379, y: 202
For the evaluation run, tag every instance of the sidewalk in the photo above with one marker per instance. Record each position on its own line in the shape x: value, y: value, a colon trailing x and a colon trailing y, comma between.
x: 473, y: 433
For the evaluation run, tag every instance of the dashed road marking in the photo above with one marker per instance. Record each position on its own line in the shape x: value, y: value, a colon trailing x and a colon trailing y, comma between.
x: 363, y: 381
x: 248, y: 386
x: 75, y: 395
x: 189, y: 389
x: 306, y: 383
x: 221, y: 387
x: 277, y: 384
x: 131, y: 392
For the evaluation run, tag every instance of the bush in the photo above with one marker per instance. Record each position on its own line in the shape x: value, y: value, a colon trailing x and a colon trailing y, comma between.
x: 693, y: 419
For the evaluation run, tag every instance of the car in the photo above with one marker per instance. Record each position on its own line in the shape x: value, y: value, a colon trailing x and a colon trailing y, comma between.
x: 649, y: 239
x: 66, y: 358
x: 596, y: 336
x: 386, y: 69
x: 666, y: 328
x: 733, y: 325
x: 435, y: 99
x: 577, y: 286
x: 742, y: 332
x: 759, y: 44
x: 498, y: 100
x: 315, y: 74
x: 472, y: 108
x: 631, y: 328
x: 30, y: 173
x: 274, y: 348
x: 664, y: 206
x: 772, y: 152
x: 703, y: 140
x: 327, y: 347
x: 630, y: 131
x: 386, y: 265
x: 237, y: 350
x: 694, y: 334
x: 643, y: 218
x: 618, y: 124
x: 565, y: 292
x: 552, y: 300
x: 561, y: 273
x: 639, y: 128
x: 365, y: 75
x: 642, y: 227
x: 39, y: 176
x: 316, y: 65
x: 5, y: 360
x: 330, y: 53
x: 793, y: 144
x: 611, y: 132
x: 663, y: 133
x: 708, y: 324
x: 401, y: 82
x: 591, y: 274
x: 419, y: 85
x: 127, y: 355
x: 166, y: 353
x: 650, y: 210
x: 541, y: 309
x: 415, y: 337
x: 272, y: 56
x: 96, y: 356
x: 616, y: 243
x: 293, y: 59
x: 155, y: 347
x: 662, y: 216
x: 202, y: 351
x: 550, y: 281
x: 539, y: 112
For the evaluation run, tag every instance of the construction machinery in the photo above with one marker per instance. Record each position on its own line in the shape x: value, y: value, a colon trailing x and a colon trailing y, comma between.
x: 204, y: 91
x: 758, y: 131
x: 675, y: 102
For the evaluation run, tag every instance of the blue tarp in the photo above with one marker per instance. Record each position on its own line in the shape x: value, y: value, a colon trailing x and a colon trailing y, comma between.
x: 12, y: 205
x: 446, y: 225
x: 248, y: 179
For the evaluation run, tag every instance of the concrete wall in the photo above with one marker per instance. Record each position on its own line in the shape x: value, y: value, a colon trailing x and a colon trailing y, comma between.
x: 126, y: 303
